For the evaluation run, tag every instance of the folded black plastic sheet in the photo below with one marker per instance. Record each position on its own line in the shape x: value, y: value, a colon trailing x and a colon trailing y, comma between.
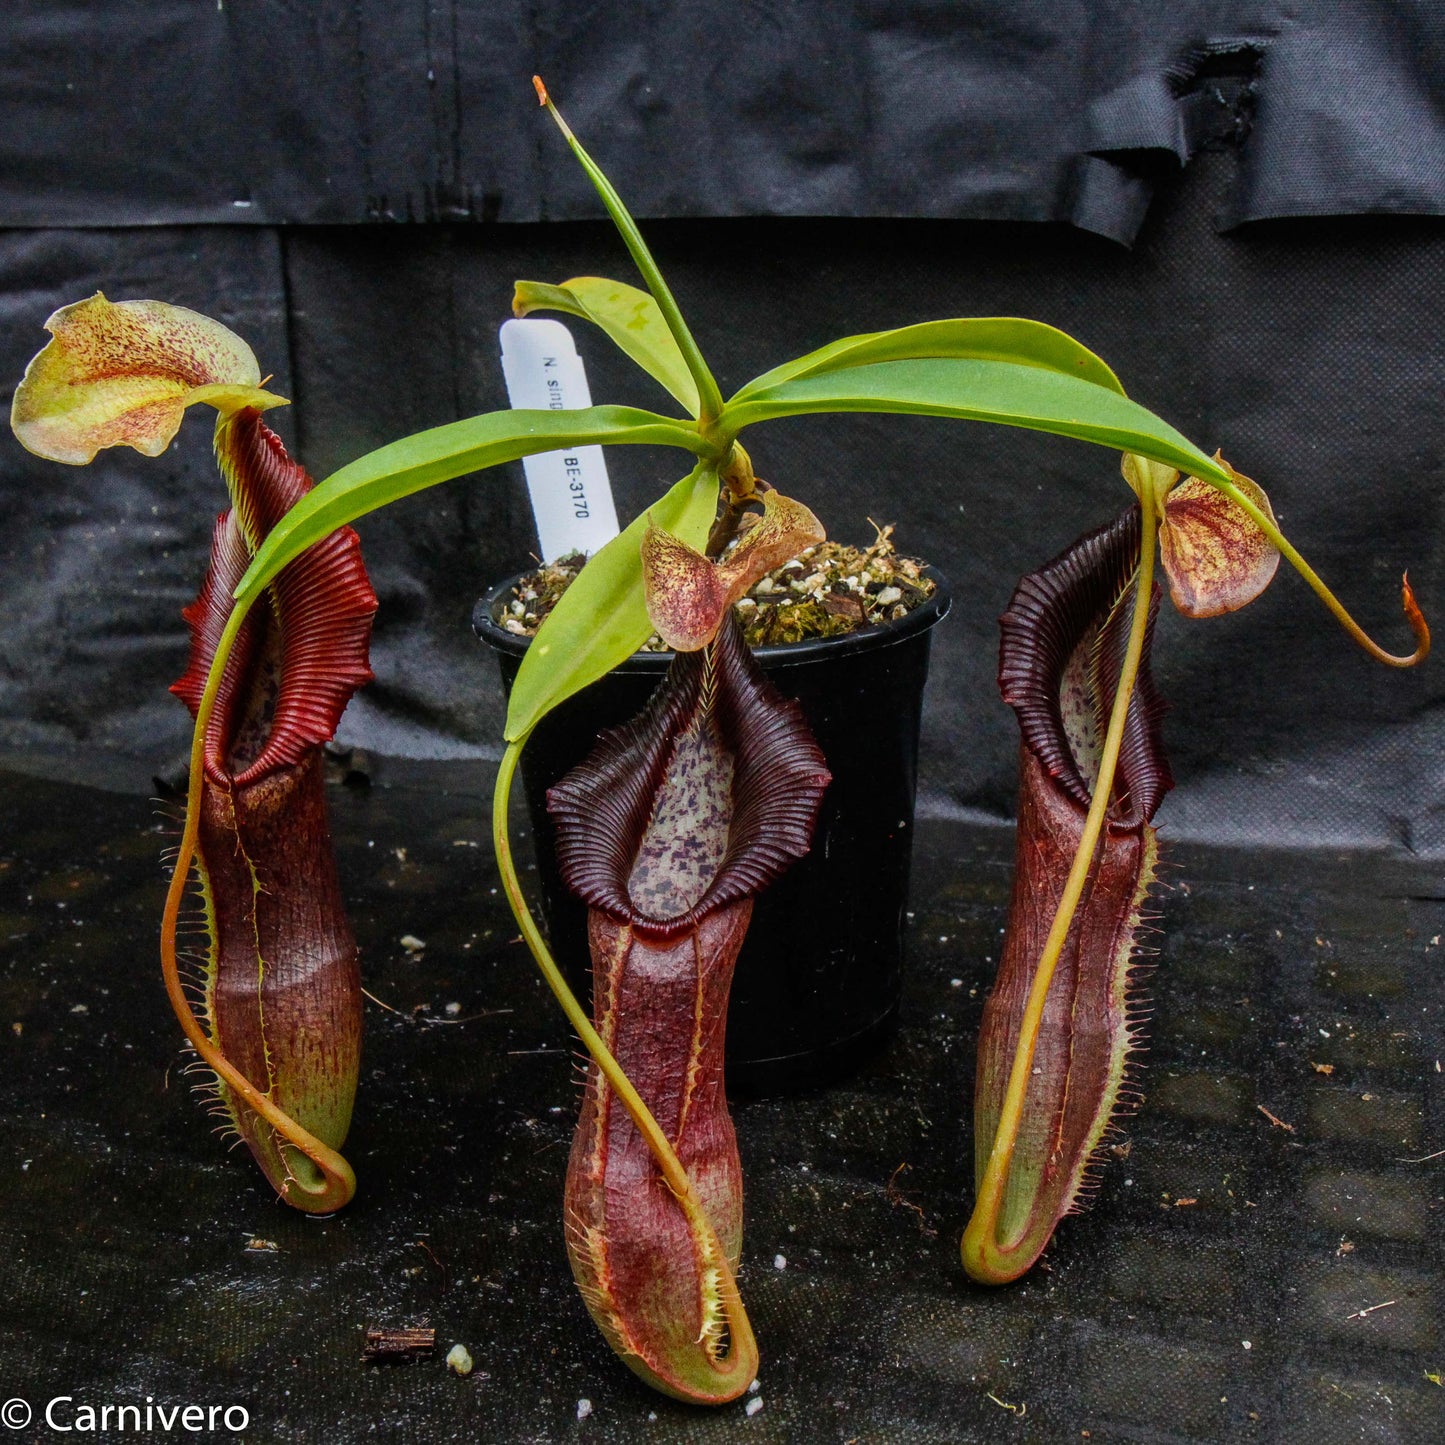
x: 1309, y: 351
x: 175, y: 112
x: 1238, y: 1279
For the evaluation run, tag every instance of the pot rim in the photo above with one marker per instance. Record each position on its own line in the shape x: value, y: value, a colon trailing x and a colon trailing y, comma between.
x: 782, y: 654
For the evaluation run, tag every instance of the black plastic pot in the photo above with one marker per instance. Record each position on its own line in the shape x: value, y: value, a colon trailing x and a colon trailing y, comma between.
x: 818, y: 980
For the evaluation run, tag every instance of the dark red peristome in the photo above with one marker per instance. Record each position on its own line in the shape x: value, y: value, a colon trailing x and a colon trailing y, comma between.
x: 281, y: 988
x: 714, y: 730
x: 299, y: 659
x: 1082, y: 593
x: 1067, y: 624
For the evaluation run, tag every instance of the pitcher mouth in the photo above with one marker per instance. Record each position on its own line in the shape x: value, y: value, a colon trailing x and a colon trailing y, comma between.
x: 1062, y: 640
x: 603, y: 808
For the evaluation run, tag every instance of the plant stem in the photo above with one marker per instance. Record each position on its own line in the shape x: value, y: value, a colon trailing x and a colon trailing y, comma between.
x: 984, y: 1254
x: 338, y: 1181
x: 743, y: 1345
x: 740, y: 486
x: 710, y: 400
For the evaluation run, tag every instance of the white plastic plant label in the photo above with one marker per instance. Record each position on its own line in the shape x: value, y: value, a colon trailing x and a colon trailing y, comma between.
x: 571, y: 495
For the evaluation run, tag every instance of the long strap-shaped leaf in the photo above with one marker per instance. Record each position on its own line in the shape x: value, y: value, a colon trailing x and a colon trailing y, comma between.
x: 977, y: 338
x: 628, y: 315
x: 709, y: 397
x: 996, y: 391
x: 445, y: 452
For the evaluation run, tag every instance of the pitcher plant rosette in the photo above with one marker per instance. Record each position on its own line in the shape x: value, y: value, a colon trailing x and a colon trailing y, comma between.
x: 678, y: 819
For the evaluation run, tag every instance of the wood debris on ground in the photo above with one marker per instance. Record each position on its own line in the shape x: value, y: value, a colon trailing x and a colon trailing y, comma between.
x: 407, y: 1343
x: 1275, y: 1119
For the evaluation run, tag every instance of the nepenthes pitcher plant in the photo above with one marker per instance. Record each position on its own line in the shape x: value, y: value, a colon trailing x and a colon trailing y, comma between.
x: 1064, y: 1018
x: 677, y: 820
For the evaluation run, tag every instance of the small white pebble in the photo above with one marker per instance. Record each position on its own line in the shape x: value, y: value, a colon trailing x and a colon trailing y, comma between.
x: 1248, y: 1344
x: 459, y: 1360
x: 753, y: 1405
x: 755, y: 1387
x: 780, y: 1261
x: 79, y: 1008
x: 453, y: 1009
x: 746, y: 604
x: 515, y: 627
x: 584, y: 1409
x: 651, y: 1416
x: 955, y: 983
x: 765, y: 588
x: 888, y: 596
x: 412, y: 943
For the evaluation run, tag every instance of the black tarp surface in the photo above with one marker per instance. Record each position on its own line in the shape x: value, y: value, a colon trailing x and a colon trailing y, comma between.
x: 1214, y: 1293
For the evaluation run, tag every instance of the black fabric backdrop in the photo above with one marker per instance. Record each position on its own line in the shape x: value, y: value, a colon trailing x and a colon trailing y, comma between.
x: 820, y: 171
x: 272, y: 112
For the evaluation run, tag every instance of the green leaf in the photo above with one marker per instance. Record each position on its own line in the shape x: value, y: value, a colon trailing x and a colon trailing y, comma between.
x: 601, y: 618
x: 994, y: 391
x: 984, y: 338
x: 444, y: 452
x: 628, y: 315
x: 642, y: 258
